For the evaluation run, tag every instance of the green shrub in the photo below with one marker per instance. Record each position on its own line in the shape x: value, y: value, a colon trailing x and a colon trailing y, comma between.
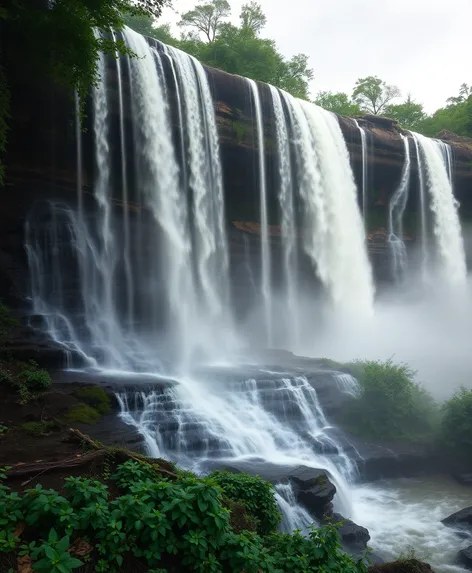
x: 456, y: 424
x: 155, y: 525
x: 256, y: 494
x: 96, y: 397
x: 34, y: 378
x: 391, y: 405
x: 83, y: 414
x: 38, y: 428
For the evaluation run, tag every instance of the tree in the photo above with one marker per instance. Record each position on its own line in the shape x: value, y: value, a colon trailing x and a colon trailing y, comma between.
x: 409, y: 114
x: 295, y: 76
x: 338, y: 102
x: 465, y: 92
x: 207, y: 18
x: 252, y: 18
x: 374, y: 95
x: 141, y: 23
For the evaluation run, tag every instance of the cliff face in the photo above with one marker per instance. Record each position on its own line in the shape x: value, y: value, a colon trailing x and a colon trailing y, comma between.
x: 42, y: 164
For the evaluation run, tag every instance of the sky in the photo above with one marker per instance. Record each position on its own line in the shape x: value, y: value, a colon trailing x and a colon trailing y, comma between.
x: 422, y: 46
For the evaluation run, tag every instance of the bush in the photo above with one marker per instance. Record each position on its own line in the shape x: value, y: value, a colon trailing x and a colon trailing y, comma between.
x: 35, y: 379
x: 256, y: 494
x: 456, y: 424
x: 95, y: 397
x: 391, y: 405
x: 83, y: 414
x: 153, y: 523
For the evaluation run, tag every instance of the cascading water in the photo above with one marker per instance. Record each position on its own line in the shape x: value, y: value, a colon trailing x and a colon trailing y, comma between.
x: 169, y: 269
x: 396, y: 211
x: 333, y: 232
x: 365, y: 160
x: 435, y: 167
x: 266, y: 289
x: 287, y: 210
x: 273, y: 419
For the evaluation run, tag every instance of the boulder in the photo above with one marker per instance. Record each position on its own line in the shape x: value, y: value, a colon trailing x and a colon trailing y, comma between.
x: 313, y: 490
x: 460, y: 520
x: 403, y: 566
x: 354, y: 537
x: 464, y: 557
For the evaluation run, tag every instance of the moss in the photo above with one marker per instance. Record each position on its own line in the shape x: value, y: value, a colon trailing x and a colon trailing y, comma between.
x: 95, y: 397
x: 38, y: 428
x: 83, y: 414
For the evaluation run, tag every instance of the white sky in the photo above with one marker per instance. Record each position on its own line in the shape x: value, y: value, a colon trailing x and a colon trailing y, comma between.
x: 422, y: 46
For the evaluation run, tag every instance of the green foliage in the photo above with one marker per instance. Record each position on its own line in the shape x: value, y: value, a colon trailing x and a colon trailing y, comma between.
x: 157, y: 524
x: 391, y: 405
x: 26, y: 378
x: 61, y: 40
x: 256, y: 494
x: 234, y: 49
x: 338, y: 102
x: 456, y: 424
x: 206, y: 18
x: 83, y: 414
x: 38, y: 429
x: 96, y: 397
x: 409, y: 114
x: 373, y: 95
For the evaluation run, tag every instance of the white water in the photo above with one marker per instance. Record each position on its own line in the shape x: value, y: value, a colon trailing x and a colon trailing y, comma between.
x: 449, y: 263
x: 276, y: 420
x: 365, y: 159
x: 402, y: 515
x: 333, y: 232
x: 266, y: 290
x: 395, y: 217
x: 294, y: 517
x: 287, y: 210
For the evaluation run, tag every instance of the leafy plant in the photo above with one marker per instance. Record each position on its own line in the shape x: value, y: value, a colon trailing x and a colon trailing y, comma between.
x: 391, y: 405
x: 456, y: 424
x: 55, y: 557
x: 256, y: 494
x: 95, y: 397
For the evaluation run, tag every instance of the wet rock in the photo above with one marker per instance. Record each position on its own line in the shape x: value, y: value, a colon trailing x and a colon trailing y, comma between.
x: 460, y: 520
x: 404, y: 566
x: 313, y: 490
x: 464, y: 557
x: 354, y: 537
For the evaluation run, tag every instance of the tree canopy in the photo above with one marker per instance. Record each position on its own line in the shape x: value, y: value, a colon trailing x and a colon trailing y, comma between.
x: 374, y: 95
x: 211, y: 38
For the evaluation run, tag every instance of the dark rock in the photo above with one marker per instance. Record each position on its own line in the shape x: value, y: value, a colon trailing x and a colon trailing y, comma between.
x: 403, y: 566
x: 464, y: 557
x: 313, y: 489
x: 460, y: 520
x: 354, y: 537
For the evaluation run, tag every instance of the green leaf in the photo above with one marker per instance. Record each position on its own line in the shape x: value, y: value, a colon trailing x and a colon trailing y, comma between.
x: 119, y: 560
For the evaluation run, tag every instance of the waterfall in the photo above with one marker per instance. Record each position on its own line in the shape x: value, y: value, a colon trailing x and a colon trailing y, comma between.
x: 294, y: 517
x: 267, y: 419
x: 333, y: 232
x: 435, y: 167
x: 150, y: 255
x: 396, y: 211
x: 266, y: 289
x: 287, y: 210
x: 364, y: 168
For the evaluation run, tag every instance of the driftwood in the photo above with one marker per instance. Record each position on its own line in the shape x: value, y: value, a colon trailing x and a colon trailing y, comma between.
x: 42, y: 467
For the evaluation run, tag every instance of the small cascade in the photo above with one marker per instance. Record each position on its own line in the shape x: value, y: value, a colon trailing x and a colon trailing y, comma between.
x: 294, y: 516
x: 395, y: 217
x: 333, y: 232
x: 347, y: 384
x: 435, y: 166
x: 287, y: 210
x: 266, y: 288
x: 273, y: 419
x: 365, y: 159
